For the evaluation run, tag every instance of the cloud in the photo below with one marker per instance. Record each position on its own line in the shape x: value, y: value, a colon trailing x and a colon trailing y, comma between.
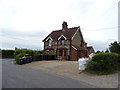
x: 37, y: 15
x: 12, y: 39
x: 99, y: 45
x: 26, y: 42
x: 25, y: 23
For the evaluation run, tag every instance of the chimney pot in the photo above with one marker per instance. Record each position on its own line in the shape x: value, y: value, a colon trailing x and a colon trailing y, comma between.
x: 64, y: 25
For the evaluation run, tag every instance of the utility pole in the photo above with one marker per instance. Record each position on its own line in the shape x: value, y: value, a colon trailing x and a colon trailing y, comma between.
x: 119, y: 38
x: 119, y: 21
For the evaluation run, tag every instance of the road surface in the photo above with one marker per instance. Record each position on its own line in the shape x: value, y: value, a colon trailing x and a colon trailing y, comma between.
x: 18, y: 76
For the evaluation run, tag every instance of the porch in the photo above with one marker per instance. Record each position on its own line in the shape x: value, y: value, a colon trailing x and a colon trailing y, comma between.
x: 62, y: 54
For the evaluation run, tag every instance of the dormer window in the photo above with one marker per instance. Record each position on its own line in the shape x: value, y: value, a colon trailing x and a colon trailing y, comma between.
x: 49, y: 40
x: 62, y: 37
x: 62, y: 42
x: 50, y: 43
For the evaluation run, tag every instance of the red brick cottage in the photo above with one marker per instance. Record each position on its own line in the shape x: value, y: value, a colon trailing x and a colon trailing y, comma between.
x: 66, y: 44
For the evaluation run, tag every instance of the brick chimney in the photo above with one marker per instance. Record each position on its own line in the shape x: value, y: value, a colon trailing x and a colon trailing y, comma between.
x: 64, y: 25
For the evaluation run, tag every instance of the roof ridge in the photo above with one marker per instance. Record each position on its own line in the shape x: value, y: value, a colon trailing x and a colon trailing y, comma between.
x: 66, y: 29
x: 56, y: 30
x: 74, y: 27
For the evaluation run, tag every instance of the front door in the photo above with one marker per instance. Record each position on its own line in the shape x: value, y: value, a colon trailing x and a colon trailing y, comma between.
x: 62, y: 54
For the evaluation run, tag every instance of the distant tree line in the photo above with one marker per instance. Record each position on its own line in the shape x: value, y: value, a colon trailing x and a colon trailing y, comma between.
x: 20, y: 52
x: 113, y: 48
x: 8, y: 53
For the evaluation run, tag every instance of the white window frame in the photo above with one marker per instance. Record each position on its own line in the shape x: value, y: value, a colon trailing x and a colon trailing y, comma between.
x: 63, y: 42
x: 50, y: 43
x: 49, y: 38
x: 62, y: 36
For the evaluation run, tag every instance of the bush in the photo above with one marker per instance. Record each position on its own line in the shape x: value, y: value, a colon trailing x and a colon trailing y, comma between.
x: 20, y: 53
x: 119, y: 62
x: 103, y: 63
x: 23, y: 51
x: 42, y: 52
x: 19, y: 56
x: 36, y: 52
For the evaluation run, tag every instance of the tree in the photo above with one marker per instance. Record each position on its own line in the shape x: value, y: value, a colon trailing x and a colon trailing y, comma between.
x: 115, y: 47
x: 107, y: 51
x: 8, y: 53
x: 97, y: 51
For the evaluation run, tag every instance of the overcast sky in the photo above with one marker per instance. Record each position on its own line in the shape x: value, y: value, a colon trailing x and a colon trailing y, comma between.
x: 25, y: 23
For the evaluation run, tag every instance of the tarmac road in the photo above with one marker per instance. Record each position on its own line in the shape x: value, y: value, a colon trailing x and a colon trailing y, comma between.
x: 19, y: 76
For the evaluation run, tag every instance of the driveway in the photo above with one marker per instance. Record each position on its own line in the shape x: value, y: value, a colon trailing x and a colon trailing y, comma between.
x: 23, y: 76
x: 70, y: 69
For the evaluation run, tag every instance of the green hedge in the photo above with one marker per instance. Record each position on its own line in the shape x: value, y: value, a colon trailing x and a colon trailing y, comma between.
x: 19, y: 56
x: 28, y: 51
x: 103, y: 63
x: 23, y: 51
x: 8, y: 53
x: 35, y: 52
x: 119, y: 62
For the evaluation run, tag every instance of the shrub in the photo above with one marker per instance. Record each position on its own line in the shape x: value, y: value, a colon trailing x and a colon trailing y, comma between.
x: 103, y: 63
x: 118, y: 62
x: 23, y: 51
x: 19, y: 56
x: 42, y: 52
x: 36, y: 52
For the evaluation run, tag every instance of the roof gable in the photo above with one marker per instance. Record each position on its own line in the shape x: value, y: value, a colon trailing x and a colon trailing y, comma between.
x: 49, y: 38
x: 62, y: 37
x: 90, y: 48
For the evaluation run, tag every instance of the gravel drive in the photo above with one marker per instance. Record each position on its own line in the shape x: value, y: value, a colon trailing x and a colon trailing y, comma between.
x: 70, y: 69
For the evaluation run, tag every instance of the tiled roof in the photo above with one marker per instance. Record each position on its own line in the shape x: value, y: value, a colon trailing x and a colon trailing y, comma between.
x: 68, y: 33
x: 89, y: 48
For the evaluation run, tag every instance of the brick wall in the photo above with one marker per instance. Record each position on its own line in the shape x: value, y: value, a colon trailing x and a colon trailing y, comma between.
x: 73, y: 55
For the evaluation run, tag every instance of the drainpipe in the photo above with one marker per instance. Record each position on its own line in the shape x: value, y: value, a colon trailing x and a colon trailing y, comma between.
x: 70, y: 48
x: 57, y: 49
x: 44, y: 45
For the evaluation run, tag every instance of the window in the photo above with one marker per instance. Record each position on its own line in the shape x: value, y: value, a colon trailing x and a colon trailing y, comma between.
x: 81, y: 43
x: 62, y: 42
x: 50, y: 43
